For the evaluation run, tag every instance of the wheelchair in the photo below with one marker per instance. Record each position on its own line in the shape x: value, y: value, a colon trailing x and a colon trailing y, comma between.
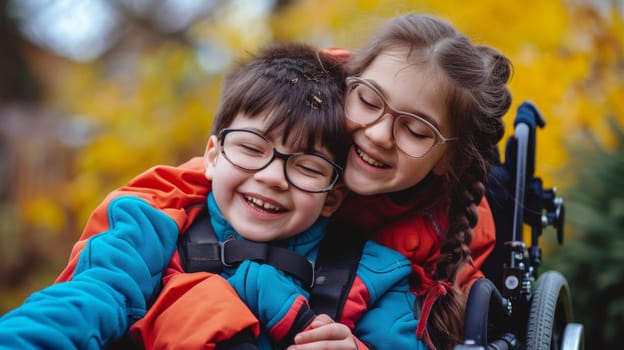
x: 514, y: 307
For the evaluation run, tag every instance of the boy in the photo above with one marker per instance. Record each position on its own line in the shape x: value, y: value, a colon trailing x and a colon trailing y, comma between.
x: 268, y: 175
x: 272, y: 164
x: 271, y: 161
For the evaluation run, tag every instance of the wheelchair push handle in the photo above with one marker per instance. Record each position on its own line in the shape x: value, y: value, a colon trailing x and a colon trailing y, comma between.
x: 544, y: 207
x: 528, y: 118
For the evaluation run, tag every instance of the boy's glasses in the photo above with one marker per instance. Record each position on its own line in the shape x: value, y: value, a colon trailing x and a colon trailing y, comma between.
x: 412, y: 134
x: 250, y: 150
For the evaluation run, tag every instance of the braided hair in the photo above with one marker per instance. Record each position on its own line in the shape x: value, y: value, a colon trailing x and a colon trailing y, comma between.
x: 477, y: 98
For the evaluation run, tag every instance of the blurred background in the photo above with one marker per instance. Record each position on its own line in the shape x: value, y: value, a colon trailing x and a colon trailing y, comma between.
x: 93, y: 92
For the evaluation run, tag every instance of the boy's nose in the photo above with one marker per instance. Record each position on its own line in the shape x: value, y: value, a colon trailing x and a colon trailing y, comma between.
x: 273, y: 175
x: 380, y: 133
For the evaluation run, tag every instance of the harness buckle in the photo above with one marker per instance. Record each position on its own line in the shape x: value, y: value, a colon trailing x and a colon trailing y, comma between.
x: 222, y: 255
x: 313, y: 280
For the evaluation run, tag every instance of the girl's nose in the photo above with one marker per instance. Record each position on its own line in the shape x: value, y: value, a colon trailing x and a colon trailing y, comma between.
x: 380, y: 133
x: 273, y: 175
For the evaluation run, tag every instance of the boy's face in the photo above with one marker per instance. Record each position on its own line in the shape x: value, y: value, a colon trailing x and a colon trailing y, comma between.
x: 262, y: 205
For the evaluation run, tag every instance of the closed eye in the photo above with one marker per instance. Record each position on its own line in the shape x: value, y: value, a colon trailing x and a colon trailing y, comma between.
x: 310, y: 170
x: 415, y: 128
x: 369, y: 102
x: 250, y: 149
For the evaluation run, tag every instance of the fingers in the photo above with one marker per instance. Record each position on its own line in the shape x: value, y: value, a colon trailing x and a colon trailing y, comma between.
x: 345, y: 344
x: 324, y: 334
x: 321, y: 320
x: 332, y: 331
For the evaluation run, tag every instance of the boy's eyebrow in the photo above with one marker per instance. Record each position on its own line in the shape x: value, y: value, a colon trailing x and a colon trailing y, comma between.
x: 260, y: 131
x: 251, y: 128
x: 416, y: 112
x: 316, y: 149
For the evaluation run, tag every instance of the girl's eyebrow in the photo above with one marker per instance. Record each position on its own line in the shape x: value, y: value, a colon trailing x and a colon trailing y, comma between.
x: 419, y: 113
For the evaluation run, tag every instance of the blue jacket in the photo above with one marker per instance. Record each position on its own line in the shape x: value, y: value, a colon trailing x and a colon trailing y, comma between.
x: 115, y: 272
x: 117, y: 275
x: 279, y: 302
x: 273, y: 295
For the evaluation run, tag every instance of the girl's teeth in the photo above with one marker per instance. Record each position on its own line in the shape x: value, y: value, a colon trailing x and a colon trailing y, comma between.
x: 365, y: 157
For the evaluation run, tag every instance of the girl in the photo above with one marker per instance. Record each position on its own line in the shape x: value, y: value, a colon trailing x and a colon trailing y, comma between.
x: 424, y: 107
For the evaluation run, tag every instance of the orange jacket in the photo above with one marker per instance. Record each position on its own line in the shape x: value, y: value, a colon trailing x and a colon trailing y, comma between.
x: 180, y: 192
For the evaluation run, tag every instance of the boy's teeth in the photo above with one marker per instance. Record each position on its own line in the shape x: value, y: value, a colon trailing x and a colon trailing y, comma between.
x: 262, y: 204
x: 365, y: 157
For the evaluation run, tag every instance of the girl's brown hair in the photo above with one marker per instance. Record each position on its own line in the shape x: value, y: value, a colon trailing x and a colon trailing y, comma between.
x: 477, y: 99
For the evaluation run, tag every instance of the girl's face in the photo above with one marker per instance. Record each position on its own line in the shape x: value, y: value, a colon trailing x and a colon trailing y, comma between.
x: 375, y: 164
x: 262, y: 205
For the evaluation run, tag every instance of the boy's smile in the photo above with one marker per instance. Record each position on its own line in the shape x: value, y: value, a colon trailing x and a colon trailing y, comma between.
x: 263, y: 205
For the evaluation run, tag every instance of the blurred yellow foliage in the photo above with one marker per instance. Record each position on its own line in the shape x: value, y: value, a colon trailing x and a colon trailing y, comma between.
x: 45, y: 213
x: 566, y: 55
x: 154, y: 104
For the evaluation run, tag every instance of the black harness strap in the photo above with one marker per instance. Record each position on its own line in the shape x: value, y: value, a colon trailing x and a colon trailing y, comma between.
x: 335, y: 270
x: 235, y: 251
x: 336, y: 267
x: 200, y: 251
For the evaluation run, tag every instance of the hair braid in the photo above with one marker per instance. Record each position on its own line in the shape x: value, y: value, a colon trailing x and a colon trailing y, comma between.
x: 477, y: 107
x: 483, y: 99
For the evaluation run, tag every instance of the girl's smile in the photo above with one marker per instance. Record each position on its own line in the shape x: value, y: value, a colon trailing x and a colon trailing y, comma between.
x: 368, y: 159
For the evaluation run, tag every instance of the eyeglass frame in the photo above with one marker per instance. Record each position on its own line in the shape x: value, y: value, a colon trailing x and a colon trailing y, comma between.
x: 277, y: 154
x: 395, y: 113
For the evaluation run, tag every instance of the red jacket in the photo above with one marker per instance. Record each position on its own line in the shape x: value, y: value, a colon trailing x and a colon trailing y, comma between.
x: 416, y: 230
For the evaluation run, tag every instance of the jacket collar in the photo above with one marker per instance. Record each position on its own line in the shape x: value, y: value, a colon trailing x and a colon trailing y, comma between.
x: 305, y: 243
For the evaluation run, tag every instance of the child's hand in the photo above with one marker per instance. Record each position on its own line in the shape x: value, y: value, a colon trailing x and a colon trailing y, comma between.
x: 324, y: 333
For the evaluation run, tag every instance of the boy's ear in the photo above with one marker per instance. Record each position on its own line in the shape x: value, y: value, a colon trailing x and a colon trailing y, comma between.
x: 334, y: 199
x: 210, y: 157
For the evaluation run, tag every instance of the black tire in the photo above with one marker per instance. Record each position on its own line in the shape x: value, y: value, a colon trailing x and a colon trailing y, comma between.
x: 550, y: 312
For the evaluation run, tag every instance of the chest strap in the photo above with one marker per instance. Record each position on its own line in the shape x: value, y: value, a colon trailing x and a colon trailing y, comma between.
x: 200, y: 250
x: 336, y: 267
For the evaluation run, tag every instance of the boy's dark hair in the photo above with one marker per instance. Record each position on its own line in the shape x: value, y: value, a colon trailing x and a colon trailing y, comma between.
x: 297, y: 89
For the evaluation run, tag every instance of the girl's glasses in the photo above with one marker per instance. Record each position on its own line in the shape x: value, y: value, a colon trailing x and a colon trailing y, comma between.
x: 249, y: 150
x: 412, y: 134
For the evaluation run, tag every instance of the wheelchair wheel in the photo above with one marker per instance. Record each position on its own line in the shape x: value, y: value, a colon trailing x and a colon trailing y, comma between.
x: 550, y: 312
x: 573, y: 337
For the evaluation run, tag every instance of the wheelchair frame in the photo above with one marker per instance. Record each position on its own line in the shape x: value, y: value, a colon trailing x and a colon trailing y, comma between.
x: 514, y: 307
